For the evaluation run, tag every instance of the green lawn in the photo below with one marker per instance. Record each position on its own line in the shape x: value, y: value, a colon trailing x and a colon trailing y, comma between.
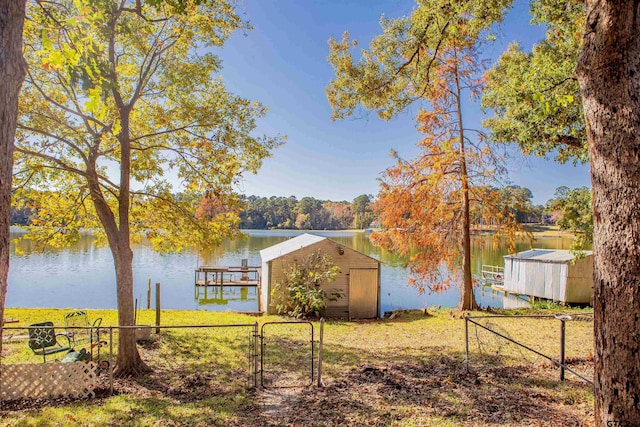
x: 409, y: 371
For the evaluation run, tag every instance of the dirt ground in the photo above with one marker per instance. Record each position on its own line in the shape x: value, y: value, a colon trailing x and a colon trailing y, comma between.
x: 441, y: 392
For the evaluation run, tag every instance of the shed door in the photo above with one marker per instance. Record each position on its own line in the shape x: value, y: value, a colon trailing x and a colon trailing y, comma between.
x: 363, y: 293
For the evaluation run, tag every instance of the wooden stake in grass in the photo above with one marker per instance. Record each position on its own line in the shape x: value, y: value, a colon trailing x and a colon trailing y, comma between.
x: 157, y: 308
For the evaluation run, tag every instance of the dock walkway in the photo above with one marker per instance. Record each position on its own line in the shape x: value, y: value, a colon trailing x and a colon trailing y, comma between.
x: 217, y: 275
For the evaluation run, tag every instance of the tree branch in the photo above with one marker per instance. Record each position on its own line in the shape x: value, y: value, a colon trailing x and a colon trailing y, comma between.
x: 63, y: 107
x: 57, y: 138
x: 560, y: 83
x: 53, y: 160
x: 568, y: 140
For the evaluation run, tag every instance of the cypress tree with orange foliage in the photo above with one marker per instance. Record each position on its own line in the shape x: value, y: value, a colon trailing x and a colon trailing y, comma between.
x: 426, y: 204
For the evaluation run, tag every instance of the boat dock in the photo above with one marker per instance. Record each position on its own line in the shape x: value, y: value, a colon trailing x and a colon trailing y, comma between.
x: 217, y: 275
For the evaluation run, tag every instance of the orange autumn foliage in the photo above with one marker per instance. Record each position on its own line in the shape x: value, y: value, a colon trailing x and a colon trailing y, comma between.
x: 427, y: 205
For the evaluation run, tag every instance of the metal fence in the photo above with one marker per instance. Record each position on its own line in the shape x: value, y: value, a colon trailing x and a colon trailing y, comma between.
x: 287, y: 356
x: 562, y: 340
x: 181, y: 359
x: 202, y: 360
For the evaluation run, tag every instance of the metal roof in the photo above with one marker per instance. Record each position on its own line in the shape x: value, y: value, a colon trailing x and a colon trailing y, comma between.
x: 288, y: 246
x: 546, y: 255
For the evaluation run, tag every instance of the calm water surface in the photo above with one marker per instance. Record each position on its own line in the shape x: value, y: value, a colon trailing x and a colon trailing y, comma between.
x: 84, y: 277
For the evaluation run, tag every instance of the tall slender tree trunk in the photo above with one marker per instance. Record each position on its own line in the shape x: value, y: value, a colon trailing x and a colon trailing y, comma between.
x: 609, y: 75
x: 117, y: 231
x: 467, y: 299
x: 129, y: 361
x: 12, y: 72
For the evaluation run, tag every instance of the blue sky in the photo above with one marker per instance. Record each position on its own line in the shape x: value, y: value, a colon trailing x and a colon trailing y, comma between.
x: 282, y: 63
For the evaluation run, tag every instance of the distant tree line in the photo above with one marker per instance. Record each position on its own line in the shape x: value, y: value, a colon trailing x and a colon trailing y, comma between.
x: 519, y: 201
x: 571, y: 209
x: 265, y: 213
x: 20, y: 215
x: 307, y: 213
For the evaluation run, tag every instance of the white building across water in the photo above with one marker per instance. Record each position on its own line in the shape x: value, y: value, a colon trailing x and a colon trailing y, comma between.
x: 552, y: 274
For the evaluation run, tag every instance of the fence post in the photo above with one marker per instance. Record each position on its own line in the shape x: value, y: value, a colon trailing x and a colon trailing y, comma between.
x: 466, y: 340
x: 321, y: 340
x: 157, y: 308
x: 562, y: 335
x: 110, y: 359
x: 256, y: 365
x: 562, y: 318
x: 261, y: 336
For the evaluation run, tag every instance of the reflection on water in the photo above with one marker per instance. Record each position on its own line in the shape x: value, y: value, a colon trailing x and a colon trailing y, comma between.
x: 84, y: 276
x: 218, y: 295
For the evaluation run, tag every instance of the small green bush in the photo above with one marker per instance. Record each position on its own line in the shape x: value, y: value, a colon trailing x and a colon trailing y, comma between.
x: 300, y: 295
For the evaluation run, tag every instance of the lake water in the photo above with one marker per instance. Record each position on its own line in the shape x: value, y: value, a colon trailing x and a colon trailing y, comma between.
x: 84, y: 276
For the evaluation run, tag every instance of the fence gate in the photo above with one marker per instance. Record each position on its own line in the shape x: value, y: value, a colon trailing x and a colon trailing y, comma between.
x: 287, y: 354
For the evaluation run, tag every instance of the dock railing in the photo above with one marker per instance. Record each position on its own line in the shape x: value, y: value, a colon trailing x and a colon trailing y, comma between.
x: 492, y: 273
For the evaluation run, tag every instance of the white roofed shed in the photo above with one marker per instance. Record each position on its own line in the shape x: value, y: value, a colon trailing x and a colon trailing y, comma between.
x: 552, y: 274
x: 358, y: 280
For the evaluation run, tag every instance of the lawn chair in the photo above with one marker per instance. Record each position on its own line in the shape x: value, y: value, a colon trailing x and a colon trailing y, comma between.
x: 43, y: 341
x: 81, y: 332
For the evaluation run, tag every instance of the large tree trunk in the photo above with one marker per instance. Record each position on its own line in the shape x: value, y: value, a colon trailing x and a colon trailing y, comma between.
x: 467, y: 298
x: 609, y: 75
x: 129, y: 362
x: 12, y: 72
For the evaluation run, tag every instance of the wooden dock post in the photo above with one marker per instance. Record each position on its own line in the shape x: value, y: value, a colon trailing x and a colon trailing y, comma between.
x: 245, y: 270
x: 149, y: 294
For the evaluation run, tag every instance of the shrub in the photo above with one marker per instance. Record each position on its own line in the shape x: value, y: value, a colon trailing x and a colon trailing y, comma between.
x: 300, y: 295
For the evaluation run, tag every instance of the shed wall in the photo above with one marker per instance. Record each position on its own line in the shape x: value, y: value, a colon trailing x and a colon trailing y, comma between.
x: 557, y: 281
x: 263, y: 290
x: 350, y: 259
x: 580, y: 281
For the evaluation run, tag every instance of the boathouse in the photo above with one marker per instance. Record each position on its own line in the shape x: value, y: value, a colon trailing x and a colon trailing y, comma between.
x: 358, y: 280
x: 551, y: 274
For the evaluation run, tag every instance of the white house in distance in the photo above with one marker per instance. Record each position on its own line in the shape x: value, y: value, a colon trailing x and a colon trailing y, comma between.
x: 552, y: 274
x: 358, y: 280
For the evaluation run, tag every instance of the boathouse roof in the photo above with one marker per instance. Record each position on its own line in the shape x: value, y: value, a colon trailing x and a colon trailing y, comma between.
x: 288, y: 246
x: 546, y: 255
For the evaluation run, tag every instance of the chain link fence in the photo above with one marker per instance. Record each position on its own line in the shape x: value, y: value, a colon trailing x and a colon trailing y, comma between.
x: 561, y: 342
